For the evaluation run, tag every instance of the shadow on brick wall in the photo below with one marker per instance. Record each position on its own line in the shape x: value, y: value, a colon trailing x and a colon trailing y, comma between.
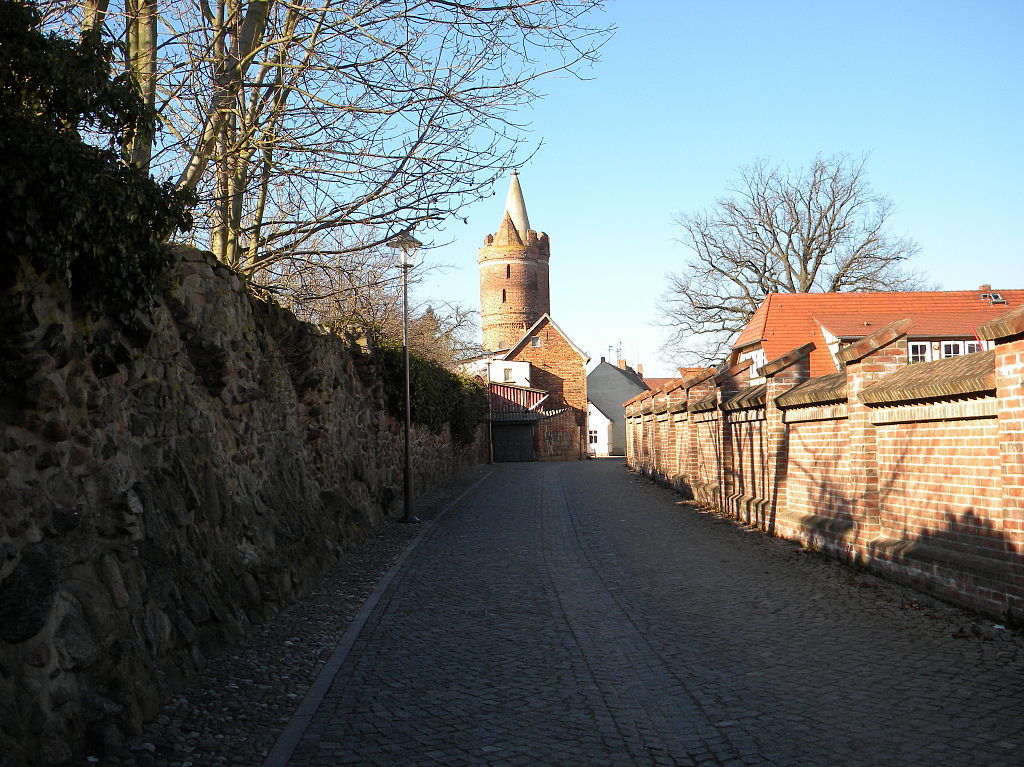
x: 967, y: 554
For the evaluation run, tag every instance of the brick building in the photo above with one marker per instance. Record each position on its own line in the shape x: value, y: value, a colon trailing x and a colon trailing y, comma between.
x: 524, y: 346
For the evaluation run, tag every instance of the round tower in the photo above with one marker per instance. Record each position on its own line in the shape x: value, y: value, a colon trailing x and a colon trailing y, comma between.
x: 514, y: 291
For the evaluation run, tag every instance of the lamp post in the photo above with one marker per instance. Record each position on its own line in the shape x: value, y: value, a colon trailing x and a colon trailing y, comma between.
x: 407, y: 246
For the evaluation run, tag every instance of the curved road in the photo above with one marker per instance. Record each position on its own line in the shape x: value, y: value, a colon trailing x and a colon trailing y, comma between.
x: 573, y: 614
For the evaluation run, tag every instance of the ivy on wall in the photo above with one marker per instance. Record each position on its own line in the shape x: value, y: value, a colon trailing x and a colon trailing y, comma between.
x: 73, y: 210
x: 438, y: 396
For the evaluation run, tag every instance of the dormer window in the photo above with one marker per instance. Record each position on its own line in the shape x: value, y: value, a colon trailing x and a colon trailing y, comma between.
x: 918, y: 351
x: 993, y: 298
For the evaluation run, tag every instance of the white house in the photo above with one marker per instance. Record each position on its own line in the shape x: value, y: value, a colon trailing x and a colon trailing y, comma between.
x: 599, y: 431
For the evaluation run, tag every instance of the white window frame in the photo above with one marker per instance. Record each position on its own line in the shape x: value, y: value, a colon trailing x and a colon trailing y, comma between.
x: 951, y: 349
x: 923, y: 348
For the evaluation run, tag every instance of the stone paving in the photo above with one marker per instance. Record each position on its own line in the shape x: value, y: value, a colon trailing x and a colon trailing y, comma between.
x: 574, y: 614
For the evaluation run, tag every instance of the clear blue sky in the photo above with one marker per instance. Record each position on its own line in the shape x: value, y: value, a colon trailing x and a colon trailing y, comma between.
x: 686, y: 92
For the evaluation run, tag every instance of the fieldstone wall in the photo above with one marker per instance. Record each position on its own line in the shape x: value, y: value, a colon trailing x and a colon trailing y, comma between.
x: 163, y: 488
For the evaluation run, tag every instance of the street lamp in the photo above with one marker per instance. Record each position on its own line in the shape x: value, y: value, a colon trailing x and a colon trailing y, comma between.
x: 407, y: 245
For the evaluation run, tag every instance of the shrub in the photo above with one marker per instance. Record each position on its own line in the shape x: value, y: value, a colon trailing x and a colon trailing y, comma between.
x: 72, y: 210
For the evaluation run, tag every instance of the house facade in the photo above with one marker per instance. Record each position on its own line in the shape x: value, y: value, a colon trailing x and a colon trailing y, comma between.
x: 599, y: 432
x: 944, y: 324
x: 608, y: 386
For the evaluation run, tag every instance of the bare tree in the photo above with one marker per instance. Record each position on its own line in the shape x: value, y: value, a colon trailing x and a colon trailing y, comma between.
x: 365, y: 297
x: 317, y: 129
x: 821, y: 230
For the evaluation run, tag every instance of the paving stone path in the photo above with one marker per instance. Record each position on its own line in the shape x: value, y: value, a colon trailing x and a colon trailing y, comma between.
x: 573, y: 614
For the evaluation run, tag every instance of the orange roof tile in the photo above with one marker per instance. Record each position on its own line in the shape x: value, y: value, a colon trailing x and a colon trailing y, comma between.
x: 657, y: 383
x: 785, y: 321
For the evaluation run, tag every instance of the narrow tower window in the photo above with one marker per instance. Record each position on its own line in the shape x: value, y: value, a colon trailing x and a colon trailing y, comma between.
x: 508, y: 271
x: 503, y: 295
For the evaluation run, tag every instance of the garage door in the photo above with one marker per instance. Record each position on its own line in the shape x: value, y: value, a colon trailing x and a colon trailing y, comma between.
x: 514, y: 442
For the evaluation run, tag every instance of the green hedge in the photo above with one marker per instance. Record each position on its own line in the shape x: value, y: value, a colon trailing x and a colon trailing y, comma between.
x: 73, y: 210
x: 438, y: 396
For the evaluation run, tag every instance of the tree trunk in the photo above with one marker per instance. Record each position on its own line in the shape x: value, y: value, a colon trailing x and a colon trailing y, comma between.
x: 141, y: 63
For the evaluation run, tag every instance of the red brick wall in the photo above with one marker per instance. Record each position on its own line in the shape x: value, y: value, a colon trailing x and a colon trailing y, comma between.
x: 709, y: 452
x: 662, y: 456
x: 931, y: 492
x: 749, y: 466
x: 558, y: 438
x: 818, y: 460
x: 1010, y: 417
x: 940, y: 478
x: 647, y: 442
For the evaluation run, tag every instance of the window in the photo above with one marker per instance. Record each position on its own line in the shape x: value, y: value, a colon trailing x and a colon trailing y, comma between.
x: 508, y: 374
x: 918, y: 351
x: 952, y: 349
x: 593, y: 436
x: 535, y: 341
x: 508, y: 270
x: 503, y: 296
x: 972, y: 346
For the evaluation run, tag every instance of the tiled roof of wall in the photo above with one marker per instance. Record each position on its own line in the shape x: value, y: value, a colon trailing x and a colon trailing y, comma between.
x: 815, y: 391
x: 951, y: 377
x: 748, y: 398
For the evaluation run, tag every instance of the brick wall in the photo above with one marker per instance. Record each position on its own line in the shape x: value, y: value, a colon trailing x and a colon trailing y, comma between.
x: 916, y: 472
x: 817, y: 463
x: 1009, y: 380
x: 748, y: 482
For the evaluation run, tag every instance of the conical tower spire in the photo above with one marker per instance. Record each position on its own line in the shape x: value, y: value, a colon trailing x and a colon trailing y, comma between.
x: 514, y: 290
x: 515, y: 207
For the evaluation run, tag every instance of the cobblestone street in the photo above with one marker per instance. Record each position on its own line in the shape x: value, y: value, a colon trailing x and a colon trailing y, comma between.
x: 575, y: 614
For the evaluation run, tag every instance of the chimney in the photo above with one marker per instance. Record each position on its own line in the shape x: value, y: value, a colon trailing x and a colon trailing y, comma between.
x: 622, y: 364
x: 602, y: 359
x: 640, y: 370
x: 984, y: 288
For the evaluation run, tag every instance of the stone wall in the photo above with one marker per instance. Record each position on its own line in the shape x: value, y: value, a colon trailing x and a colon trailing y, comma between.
x: 163, y: 488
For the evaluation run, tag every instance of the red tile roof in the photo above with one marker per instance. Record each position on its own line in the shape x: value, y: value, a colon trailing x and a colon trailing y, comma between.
x: 657, y: 383
x: 684, y: 373
x: 785, y: 321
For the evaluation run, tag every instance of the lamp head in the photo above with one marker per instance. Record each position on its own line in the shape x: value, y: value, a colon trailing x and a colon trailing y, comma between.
x: 407, y: 245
